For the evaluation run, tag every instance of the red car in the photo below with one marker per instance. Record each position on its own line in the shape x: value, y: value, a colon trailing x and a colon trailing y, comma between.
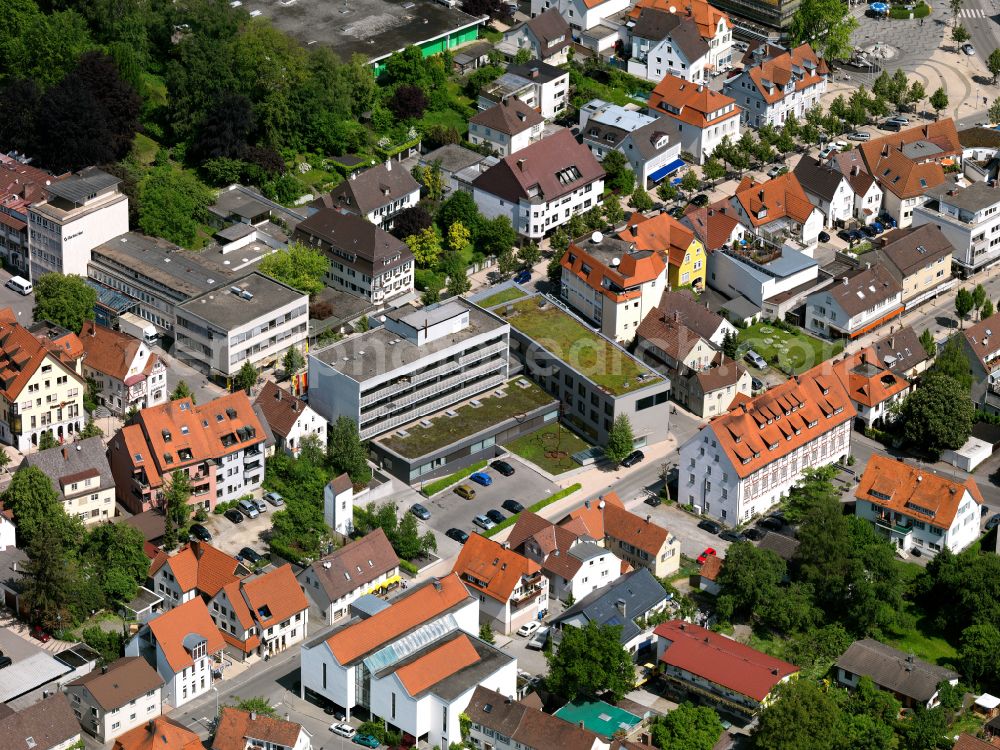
x: 37, y: 632
x: 709, y: 552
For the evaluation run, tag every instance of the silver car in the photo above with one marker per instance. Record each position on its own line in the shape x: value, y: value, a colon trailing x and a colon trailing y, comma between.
x: 483, y: 522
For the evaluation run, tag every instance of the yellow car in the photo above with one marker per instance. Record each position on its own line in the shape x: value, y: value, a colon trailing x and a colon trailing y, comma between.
x: 464, y: 490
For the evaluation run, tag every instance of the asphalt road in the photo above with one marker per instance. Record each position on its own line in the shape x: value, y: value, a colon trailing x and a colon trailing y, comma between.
x: 19, y: 303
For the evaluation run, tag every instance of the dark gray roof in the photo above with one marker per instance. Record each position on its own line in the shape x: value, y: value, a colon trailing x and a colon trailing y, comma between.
x: 471, y: 52
x: 510, y: 116
x: 818, y: 178
x: 354, y: 236
x: 526, y: 725
x: 975, y: 197
x: 894, y: 670
x: 656, y: 25
x: 238, y: 203
x: 83, y: 185
x: 646, y: 137
x: 639, y: 590
x: 353, y: 565
x: 696, y: 316
x: 373, y: 188
x: 901, y: 350
x: 783, y: 546
x: 83, y: 456
x: 979, y: 138
x: 228, y: 310
x: 47, y: 724
x: 234, y: 232
x: 914, y: 248
x: 536, y: 70
x: 874, y: 284
x: 452, y: 157
x: 548, y: 26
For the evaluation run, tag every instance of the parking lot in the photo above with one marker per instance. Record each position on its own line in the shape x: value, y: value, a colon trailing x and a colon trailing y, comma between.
x: 231, y: 537
x: 19, y: 303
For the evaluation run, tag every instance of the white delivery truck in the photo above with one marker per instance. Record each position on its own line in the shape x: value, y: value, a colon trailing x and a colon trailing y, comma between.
x: 143, y: 330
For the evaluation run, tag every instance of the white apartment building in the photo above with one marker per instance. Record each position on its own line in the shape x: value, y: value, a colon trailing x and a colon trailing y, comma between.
x: 80, y: 474
x: 828, y: 189
x: 256, y: 319
x: 116, y: 698
x: 742, y: 463
x: 541, y: 186
x: 969, y: 217
x: 665, y: 43
x: 289, y: 418
x: 582, y: 15
x: 127, y: 372
x: 918, y: 509
x: 540, y: 86
x: 418, y: 362
x: 506, y: 127
x: 644, y: 139
x: 855, y: 304
x: 777, y: 88
x: 760, y: 276
x: 699, y: 118
x: 81, y: 212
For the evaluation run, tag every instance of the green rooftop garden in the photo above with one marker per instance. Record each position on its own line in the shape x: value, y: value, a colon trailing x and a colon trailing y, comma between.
x: 584, y: 350
x: 469, y: 419
x: 506, y: 295
x: 537, y: 446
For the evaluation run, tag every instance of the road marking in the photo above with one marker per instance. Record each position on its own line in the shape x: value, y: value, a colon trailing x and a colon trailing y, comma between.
x: 972, y: 13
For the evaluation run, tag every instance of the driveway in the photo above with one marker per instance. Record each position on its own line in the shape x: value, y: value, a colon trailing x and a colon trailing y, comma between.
x: 204, y: 390
x: 19, y: 303
x: 230, y: 537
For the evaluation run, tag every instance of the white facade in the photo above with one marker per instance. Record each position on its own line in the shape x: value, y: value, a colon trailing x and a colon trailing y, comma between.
x: 825, y: 316
x: 338, y: 507
x: 616, y: 319
x: 709, y: 481
x: 839, y: 208
x: 599, y: 569
x: 8, y: 533
x: 908, y: 532
x: 902, y: 210
x: 166, y: 586
x: 975, y: 235
x: 793, y: 103
x: 578, y: 14
x: 504, y: 143
x: 140, y: 392
x: 868, y: 205
x: 528, y: 598
x: 180, y: 687
x: 734, y: 275
x: 307, y: 423
x: 652, y: 59
x: 536, y: 218
x: 700, y: 140
x: 105, y: 725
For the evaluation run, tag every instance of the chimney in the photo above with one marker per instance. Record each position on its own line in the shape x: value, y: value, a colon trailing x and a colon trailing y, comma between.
x: 151, y: 726
x: 104, y: 669
x: 677, y: 316
x: 253, y: 716
x: 437, y: 584
x: 520, y: 164
x: 892, y: 342
x: 760, y: 194
x: 864, y: 357
x: 634, y: 228
x: 534, y: 73
x: 65, y: 453
x: 648, y: 518
x: 620, y: 606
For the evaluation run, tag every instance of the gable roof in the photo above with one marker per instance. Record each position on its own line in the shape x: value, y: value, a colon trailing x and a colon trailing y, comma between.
x: 901, y: 350
x: 941, y: 134
x: 984, y: 340
x: 721, y: 660
x: 799, y: 66
x: 696, y: 316
x: 510, y: 117
x: 818, y: 177
x: 71, y: 463
x: 914, y: 492
x: 547, y: 535
x: 661, y: 233
x: 722, y: 372
x: 914, y: 248
x: 710, y: 569
x: 966, y: 741
x: 173, y: 627
x: 488, y: 567
x: 547, y: 27
x: 49, y: 723
x: 713, y: 225
x: 704, y: 15
x: 274, y: 597
x: 198, y: 565
x: 862, y: 290
x: 904, y: 177
x: 355, y: 564
x: 894, y: 670
x: 120, y: 682
x: 21, y: 354
x: 160, y: 734
x: 783, y: 546
x: 682, y: 31
x: 281, y: 409
x: 113, y: 352
x: 555, y: 166
x: 373, y: 188
x: 430, y: 668
x: 867, y: 380
x: 608, y: 518
x: 354, y: 236
x: 640, y: 592
x: 235, y: 727
x: 691, y: 103
x: 779, y: 197
x: 529, y: 726
x: 666, y: 331
x: 592, y: 263
x: 407, y: 612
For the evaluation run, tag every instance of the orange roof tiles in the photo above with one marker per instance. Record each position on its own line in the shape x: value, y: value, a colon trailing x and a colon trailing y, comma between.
x: 913, y: 491
x: 710, y: 569
x: 868, y: 381
x: 691, y: 103
x: 274, y: 596
x: 661, y: 233
x: 235, y: 727
x: 941, y: 133
x: 984, y: 340
x: 238, y: 604
x: 109, y: 352
x: 488, y: 567
x: 21, y: 354
x: 800, y: 65
x: 161, y: 734
x: 172, y: 627
x: 407, y: 612
x: 714, y: 224
x: 608, y: 518
x: 757, y: 432
x: 198, y: 565
x: 704, y: 15
x: 636, y: 267
x: 774, y: 199
x: 434, y: 666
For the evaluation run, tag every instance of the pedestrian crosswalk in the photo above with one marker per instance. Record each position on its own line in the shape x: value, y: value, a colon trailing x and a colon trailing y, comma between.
x: 972, y: 13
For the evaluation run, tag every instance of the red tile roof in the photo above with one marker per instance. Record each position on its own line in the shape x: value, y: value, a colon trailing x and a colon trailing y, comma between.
x: 111, y: 352
x: 160, y: 734
x: 235, y: 727
x: 722, y: 661
x: 691, y: 103
x: 704, y: 15
x: 172, y: 627
x: 274, y: 596
x: 199, y: 565
x: 483, y: 561
x: 608, y: 518
x: 661, y: 233
x: 800, y: 64
x: 710, y: 569
x: 868, y: 380
x: 777, y: 198
x: 439, y: 663
x: 714, y: 224
x: 636, y: 267
x: 21, y: 354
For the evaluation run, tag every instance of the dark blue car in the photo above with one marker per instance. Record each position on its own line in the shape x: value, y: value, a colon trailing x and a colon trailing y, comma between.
x: 523, y: 276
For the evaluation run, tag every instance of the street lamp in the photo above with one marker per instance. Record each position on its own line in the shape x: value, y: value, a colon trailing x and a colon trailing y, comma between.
x: 216, y: 691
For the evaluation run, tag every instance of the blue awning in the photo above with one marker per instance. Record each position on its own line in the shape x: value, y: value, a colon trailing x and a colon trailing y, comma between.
x: 669, y: 169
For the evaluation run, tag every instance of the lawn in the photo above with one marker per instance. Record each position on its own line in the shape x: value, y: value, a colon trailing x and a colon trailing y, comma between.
x: 533, y: 446
x: 924, y: 642
x: 587, y: 352
x: 469, y: 420
x: 507, y: 295
x: 795, y: 352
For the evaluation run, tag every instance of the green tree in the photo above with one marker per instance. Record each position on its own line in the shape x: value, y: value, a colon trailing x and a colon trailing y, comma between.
x: 454, y: 267
x: 299, y: 266
x: 47, y: 581
x: 172, y: 204
x: 731, y: 344
x: 522, y: 57
x: 90, y: 430
x: 257, y: 705
x: 613, y: 212
x: 956, y: 6
x: 640, y: 200
x: 554, y: 269
x: 177, y: 512
x: 960, y: 34
x: 620, y: 439
x: 458, y: 237
x: 458, y: 207
x: 804, y: 717
x: 925, y: 729
x: 119, y: 560
x: 937, y: 416
x: 917, y: 93
x: 987, y: 311
x: 994, y: 111
x: 951, y: 361
x: 293, y: 361
x: 928, y: 343
x: 529, y: 254
x: 245, y: 378
x: 666, y: 192
x: 495, y: 236
x: 993, y: 64
x: 67, y: 301
x: 431, y: 179
x: 813, y: 489
x: 938, y: 101
x: 35, y: 504
x: 620, y: 177
x: 346, y: 452
x: 687, y: 728
x: 715, y: 171
x: 426, y: 247
x: 963, y: 304
x: 182, y: 390
x: 506, y: 262
x: 4, y: 460
x: 750, y: 577
x: 590, y: 661
x: 47, y: 441
x: 979, y: 651
x: 978, y: 298
x: 486, y: 633
x: 825, y: 25
x: 690, y: 182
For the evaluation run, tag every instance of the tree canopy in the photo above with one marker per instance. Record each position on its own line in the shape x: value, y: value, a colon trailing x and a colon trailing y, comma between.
x: 299, y: 266
x: 67, y: 300
x: 590, y: 661
x: 687, y: 728
x: 939, y: 415
x: 620, y: 439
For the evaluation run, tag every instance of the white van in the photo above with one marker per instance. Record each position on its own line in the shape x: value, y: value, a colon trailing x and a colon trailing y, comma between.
x: 20, y: 285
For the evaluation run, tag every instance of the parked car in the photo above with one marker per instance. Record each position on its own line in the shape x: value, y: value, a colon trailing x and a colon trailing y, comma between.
x: 458, y: 535
x: 234, y: 515
x: 755, y: 359
x: 420, y: 511
x: 38, y: 634
x: 496, y: 516
x: 537, y: 641
x: 859, y: 135
x: 757, y: 384
x: 677, y: 212
x: 200, y: 532
x: 344, y: 730
x: 710, y: 526
x: 775, y: 171
x: 731, y: 536
x: 633, y: 458
x: 827, y: 150
x: 700, y: 200
x: 878, y: 226
x: 483, y: 522
x: 707, y: 553
x: 887, y: 220
x: 250, y: 554
x: 503, y: 467
x: 904, y: 121
x: 482, y: 478
x: 823, y: 237
x: 464, y: 490
x: 845, y: 235
x: 275, y: 499
x: 891, y: 125
x: 993, y: 522
x: 512, y: 506
x: 261, y: 505
x: 365, y: 740
x: 653, y: 500
x: 771, y: 524
x: 754, y: 534
x: 529, y: 628
x: 968, y: 49
x: 248, y: 508
x: 523, y: 276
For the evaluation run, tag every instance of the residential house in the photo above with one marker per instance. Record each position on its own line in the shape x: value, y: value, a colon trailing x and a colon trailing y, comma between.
x: 496, y: 717
x: 699, y: 117
x: 547, y: 37
x: 712, y: 390
x: 874, y: 389
x: 981, y: 343
x: 715, y: 226
x: 684, y: 253
x: 195, y: 569
x: 47, y: 725
x: 290, y: 418
x: 828, y: 189
x: 261, y: 615
x: 743, y: 462
x: 117, y: 698
x: 543, y: 87
x: 625, y: 602
x: 81, y: 477
x: 634, y: 539
x: 855, y: 304
x: 574, y: 565
x: 510, y: 587
x: 246, y: 730
x: 81, y: 212
x: 778, y: 85
x: 703, y: 322
x: 159, y: 734
x: 456, y: 163
x: 965, y: 741
x: 220, y: 444
x: 918, y: 509
x: 365, y: 260
x: 364, y: 566
x: 650, y: 151
x: 338, y: 504
x: 376, y: 194
x: 734, y: 678
x: 778, y: 209
x: 919, y: 258
x: 708, y: 575
x: 968, y: 215
x: 612, y: 284
x: 20, y: 185
x: 584, y: 16
x: 665, y: 43
x: 541, y: 186
x: 127, y: 372
x: 506, y: 127
x: 914, y: 682
x: 902, y: 352
x: 182, y: 644
x: 713, y: 25
x: 38, y: 391
x: 868, y: 193
x: 664, y: 340
x: 413, y: 664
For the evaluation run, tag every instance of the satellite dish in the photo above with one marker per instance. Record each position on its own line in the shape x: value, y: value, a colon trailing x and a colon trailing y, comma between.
x: 597, y: 238
x: 673, y: 9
